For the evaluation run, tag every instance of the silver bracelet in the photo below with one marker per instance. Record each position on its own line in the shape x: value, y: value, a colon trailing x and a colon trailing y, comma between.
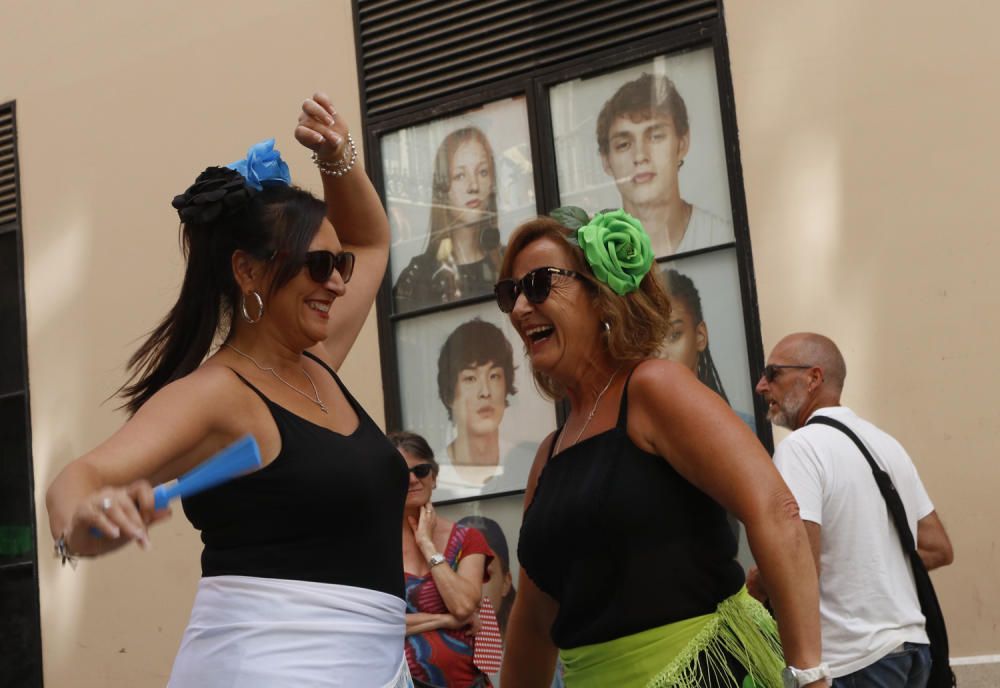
x: 342, y: 166
x: 63, y: 552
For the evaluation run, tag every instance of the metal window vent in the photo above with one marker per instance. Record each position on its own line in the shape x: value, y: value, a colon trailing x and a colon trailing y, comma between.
x: 414, y: 52
x: 8, y: 167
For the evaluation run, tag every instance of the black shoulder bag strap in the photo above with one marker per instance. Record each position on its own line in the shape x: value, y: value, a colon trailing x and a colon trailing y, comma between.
x: 941, y: 673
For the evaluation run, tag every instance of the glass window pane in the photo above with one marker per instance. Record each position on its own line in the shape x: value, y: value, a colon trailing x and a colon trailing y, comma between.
x: 466, y: 386
x: 455, y: 188
x: 648, y: 139
x: 707, y: 329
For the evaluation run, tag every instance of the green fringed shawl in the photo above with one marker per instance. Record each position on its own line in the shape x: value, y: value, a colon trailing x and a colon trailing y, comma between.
x: 668, y: 656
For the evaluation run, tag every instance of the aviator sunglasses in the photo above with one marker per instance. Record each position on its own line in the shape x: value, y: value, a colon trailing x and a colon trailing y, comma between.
x: 321, y: 265
x: 771, y: 371
x: 535, y: 285
x: 422, y: 470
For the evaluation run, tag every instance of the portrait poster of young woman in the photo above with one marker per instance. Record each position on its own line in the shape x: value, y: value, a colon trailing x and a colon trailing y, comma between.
x: 455, y: 188
x: 706, y: 326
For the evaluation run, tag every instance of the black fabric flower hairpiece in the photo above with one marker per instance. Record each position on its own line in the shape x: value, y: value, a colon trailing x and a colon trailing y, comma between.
x: 218, y: 191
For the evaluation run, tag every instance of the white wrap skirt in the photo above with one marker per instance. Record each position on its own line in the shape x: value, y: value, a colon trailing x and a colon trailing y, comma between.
x: 271, y: 633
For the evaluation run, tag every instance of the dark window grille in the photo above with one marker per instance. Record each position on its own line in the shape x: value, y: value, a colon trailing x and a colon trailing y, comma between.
x: 414, y: 51
x: 20, y: 627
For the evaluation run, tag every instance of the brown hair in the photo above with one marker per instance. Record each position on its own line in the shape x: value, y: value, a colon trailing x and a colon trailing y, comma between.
x: 276, y: 225
x: 638, y: 321
x: 416, y: 445
x: 649, y: 96
x: 472, y: 344
x: 441, y: 222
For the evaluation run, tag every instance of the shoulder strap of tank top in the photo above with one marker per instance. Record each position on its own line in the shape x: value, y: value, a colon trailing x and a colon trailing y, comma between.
x: 267, y: 401
x: 623, y: 407
x: 554, y: 442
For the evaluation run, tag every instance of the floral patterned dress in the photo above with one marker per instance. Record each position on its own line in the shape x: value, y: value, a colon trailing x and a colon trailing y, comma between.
x: 444, y: 657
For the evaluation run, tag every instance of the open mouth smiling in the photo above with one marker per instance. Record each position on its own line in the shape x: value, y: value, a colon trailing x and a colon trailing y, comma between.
x: 539, y: 332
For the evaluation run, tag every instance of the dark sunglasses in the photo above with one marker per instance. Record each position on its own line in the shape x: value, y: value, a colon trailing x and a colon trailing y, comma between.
x: 321, y: 265
x: 535, y: 285
x: 422, y: 470
x: 771, y: 371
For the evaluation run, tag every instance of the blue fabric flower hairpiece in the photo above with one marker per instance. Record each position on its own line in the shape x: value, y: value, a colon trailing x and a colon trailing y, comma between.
x: 222, y: 191
x: 263, y: 165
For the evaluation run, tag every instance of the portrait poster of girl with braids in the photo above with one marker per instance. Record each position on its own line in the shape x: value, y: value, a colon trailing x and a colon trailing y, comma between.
x: 706, y: 325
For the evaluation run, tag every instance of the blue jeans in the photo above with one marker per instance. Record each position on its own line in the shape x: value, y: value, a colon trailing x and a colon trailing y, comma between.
x: 906, y: 668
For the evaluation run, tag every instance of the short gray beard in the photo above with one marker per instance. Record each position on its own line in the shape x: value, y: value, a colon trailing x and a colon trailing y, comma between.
x: 787, y: 413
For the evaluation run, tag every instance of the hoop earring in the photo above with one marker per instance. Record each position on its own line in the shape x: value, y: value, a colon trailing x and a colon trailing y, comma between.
x: 680, y: 164
x: 260, y: 308
x: 607, y: 327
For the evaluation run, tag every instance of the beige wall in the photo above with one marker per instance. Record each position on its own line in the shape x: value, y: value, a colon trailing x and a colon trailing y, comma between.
x: 870, y: 154
x: 120, y: 105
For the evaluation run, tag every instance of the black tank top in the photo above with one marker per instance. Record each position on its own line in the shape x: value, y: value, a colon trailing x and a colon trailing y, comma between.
x: 327, y: 509
x: 622, y: 542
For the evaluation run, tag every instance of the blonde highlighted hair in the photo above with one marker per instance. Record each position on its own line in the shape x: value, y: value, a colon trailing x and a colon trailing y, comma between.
x: 638, y: 322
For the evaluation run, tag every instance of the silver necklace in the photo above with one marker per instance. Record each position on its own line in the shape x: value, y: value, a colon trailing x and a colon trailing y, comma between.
x: 317, y: 400
x: 591, y: 416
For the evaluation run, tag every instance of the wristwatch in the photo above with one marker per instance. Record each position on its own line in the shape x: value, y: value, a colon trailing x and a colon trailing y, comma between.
x: 796, y: 678
x: 435, y: 559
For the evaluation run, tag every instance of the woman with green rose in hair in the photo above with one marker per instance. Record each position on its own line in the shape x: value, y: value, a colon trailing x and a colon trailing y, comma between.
x: 628, y: 566
x: 289, y: 595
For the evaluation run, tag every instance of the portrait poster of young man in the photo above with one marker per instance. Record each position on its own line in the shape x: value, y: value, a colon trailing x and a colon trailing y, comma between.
x: 468, y: 390
x: 648, y: 139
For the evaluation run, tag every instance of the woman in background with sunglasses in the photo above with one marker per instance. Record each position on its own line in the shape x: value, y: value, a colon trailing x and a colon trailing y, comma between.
x: 446, y: 565
x: 289, y: 595
x: 628, y: 565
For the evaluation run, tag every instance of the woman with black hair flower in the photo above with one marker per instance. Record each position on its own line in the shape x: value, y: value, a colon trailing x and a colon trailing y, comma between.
x: 628, y: 568
x: 286, y: 597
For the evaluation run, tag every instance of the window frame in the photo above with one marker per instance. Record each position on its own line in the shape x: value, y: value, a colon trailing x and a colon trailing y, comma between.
x: 534, y: 87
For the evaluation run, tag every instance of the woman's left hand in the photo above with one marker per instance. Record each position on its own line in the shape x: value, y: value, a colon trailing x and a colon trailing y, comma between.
x: 321, y: 129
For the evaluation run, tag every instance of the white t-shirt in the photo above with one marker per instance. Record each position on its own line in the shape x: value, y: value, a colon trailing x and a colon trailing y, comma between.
x: 868, y: 601
x: 705, y: 229
x: 473, y: 481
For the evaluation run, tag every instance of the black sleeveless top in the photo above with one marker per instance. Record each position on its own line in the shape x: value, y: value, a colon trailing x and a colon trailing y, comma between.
x: 622, y: 542
x: 327, y: 509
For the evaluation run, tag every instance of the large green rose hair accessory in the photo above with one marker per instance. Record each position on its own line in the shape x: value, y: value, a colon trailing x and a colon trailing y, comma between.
x: 614, y: 243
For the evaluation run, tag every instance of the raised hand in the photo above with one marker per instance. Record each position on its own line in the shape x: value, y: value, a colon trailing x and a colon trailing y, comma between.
x: 321, y: 129
x: 424, y: 530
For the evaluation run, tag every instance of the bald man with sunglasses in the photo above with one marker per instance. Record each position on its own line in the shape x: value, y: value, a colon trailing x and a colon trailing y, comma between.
x: 872, y: 625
